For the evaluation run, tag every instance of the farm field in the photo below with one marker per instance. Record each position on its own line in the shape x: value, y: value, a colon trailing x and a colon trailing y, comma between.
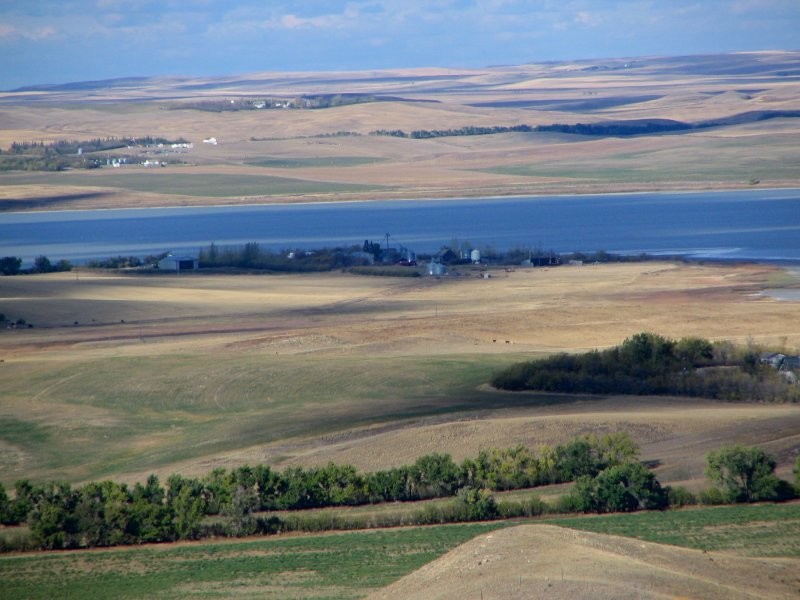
x: 746, y: 101
x: 726, y: 552
x: 123, y: 376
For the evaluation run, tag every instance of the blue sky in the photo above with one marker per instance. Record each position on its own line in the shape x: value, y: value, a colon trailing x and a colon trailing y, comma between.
x: 55, y: 41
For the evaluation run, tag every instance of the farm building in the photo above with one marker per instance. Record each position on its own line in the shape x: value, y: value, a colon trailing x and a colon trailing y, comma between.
x: 178, y: 263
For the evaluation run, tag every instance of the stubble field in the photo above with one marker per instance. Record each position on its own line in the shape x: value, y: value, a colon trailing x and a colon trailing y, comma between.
x: 287, y: 155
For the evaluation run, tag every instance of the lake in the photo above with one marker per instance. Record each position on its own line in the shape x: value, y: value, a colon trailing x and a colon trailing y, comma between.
x: 753, y: 224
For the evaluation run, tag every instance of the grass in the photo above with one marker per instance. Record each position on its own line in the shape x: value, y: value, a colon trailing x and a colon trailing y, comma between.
x: 102, y: 416
x: 182, y: 182
x: 314, y: 162
x: 764, y: 530
x: 767, y: 158
x: 345, y: 565
x: 352, y: 564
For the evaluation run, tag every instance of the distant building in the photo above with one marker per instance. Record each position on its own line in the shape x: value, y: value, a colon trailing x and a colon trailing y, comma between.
x: 773, y: 359
x: 178, y: 263
x: 436, y: 269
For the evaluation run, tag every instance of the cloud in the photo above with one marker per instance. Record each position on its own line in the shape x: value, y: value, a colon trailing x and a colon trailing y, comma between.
x: 586, y: 18
x: 35, y: 34
x: 342, y: 20
x: 215, y: 36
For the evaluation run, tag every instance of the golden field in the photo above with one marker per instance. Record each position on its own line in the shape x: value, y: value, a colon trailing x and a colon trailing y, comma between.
x: 126, y: 375
x: 287, y: 155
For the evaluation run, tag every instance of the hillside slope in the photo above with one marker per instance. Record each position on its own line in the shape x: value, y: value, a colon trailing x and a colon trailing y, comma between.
x: 537, y: 561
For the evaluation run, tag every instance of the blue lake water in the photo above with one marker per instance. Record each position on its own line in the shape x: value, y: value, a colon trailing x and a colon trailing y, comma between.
x: 753, y: 224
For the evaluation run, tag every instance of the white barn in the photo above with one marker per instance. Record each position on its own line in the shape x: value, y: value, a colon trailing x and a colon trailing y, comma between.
x: 178, y: 263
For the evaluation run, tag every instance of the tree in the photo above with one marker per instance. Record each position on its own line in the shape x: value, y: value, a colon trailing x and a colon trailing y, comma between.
x: 41, y: 264
x: 743, y: 474
x: 576, y: 459
x: 63, y: 265
x: 629, y: 487
x: 617, y: 448
x: 647, y: 353
x: 5, y: 506
x: 26, y: 497
x: 52, y: 520
x: 435, y: 475
x: 239, y: 511
x: 189, y: 509
x: 797, y: 471
x: 10, y: 265
x: 693, y: 352
x: 622, y: 488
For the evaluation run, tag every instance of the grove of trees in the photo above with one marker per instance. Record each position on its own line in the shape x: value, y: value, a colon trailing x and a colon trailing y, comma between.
x: 607, y: 475
x: 107, y: 513
x: 12, y: 265
x: 647, y: 363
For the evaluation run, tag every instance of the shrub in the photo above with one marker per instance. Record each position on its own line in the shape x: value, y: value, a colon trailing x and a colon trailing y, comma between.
x: 712, y: 497
x: 474, y: 504
x: 529, y: 507
x: 680, y: 496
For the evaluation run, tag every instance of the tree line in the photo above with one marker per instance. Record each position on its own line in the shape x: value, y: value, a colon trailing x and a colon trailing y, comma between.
x: 647, y: 363
x: 601, y: 128
x: 108, y: 513
x: 67, y: 154
x: 12, y: 265
x: 252, y: 256
x: 420, y: 134
x: 607, y: 474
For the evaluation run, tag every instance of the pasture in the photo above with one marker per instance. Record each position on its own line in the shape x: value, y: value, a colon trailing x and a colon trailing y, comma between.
x: 123, y: 375
x: 725, y: 552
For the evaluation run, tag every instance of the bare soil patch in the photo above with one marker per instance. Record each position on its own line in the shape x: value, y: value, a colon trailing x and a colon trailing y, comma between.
x: 537, y: 561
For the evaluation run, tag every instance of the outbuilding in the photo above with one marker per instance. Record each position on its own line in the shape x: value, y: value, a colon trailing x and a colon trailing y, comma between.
x: 178, y: 263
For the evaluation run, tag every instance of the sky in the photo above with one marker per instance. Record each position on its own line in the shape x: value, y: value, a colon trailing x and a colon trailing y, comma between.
x: 60, y: 41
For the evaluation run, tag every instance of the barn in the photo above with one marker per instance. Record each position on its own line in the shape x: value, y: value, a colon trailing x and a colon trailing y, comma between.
x: 178, y: 263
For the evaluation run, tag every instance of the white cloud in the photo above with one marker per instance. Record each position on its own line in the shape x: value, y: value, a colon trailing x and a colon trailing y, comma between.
x: 586, y: 18
x: 35, y: 33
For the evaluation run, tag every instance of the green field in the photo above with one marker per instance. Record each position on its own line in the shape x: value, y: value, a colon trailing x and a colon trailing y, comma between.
x: 747, y: 530
x: 183, y: 181
x: 346, y: 565
x: 350, y: 565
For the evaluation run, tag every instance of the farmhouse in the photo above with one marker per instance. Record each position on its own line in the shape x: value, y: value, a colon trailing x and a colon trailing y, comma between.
x: 178, y: 263
x: 787, y: 366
